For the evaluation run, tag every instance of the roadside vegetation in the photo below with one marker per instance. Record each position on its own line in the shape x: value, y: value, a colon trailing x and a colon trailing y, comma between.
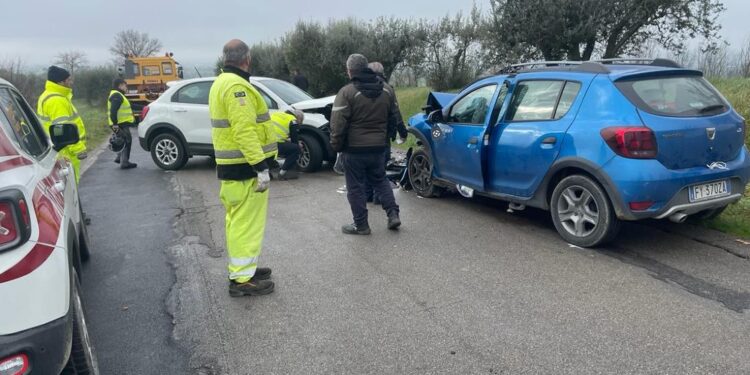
x: 95, y: 119
x: 735, y: 220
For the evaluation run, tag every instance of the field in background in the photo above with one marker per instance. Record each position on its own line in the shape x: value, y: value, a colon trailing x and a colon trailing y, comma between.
x: 95, y: 120
x: 735, y: 220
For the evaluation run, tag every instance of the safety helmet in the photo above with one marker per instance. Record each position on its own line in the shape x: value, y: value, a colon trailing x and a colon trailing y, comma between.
x: 116, y: 142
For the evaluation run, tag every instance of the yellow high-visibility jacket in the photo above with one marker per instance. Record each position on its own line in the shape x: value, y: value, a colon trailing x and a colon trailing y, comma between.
x: 241, y: 133
x: 124, y: 113
x: 55, y: 106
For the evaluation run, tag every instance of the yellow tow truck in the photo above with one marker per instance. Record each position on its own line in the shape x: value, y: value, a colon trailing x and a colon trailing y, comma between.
x: 147, y: 78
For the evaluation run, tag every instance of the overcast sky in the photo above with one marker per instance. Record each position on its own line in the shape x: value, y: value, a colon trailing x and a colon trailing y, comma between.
x: 195, y: 31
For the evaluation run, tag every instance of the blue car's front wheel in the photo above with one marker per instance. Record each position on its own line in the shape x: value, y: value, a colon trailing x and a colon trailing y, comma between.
x: 420, y: 175
x: 582, y: 212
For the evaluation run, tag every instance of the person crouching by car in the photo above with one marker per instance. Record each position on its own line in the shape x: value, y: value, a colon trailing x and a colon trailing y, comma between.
x: 121, y: 119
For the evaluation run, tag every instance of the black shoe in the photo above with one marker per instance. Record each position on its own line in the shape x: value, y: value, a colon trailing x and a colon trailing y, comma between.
x: 289, y: 175
x: 274, y: 173
x: 393, y: 221
x: 251, y: 288
x: 353, y: 229
x: 117, y: 160
x: 262, y: 273
x: 128, y: 166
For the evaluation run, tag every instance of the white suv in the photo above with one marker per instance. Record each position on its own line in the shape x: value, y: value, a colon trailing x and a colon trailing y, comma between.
x: 177, y: 126
x: 42, y: 243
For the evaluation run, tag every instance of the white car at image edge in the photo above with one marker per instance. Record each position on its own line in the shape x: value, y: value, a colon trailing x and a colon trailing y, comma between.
x: 43, y: 242
x: 177, y: 126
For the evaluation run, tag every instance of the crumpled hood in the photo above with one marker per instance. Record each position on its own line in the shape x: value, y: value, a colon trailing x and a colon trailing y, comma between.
x: 314, y: 103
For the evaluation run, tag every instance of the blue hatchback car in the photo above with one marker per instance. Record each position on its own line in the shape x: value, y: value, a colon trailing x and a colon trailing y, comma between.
x: 594, y: 143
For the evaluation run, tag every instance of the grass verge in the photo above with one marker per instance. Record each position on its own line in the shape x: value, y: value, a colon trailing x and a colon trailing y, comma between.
x: 95, y: 121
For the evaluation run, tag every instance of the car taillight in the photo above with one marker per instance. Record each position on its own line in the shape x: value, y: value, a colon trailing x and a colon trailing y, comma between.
x: 14, y: 365
x: 144, y: 112
x: 635, y: 142
x: 15, y: 224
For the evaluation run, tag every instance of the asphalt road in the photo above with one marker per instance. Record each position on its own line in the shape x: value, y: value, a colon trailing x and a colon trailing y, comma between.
x: 464, y: 287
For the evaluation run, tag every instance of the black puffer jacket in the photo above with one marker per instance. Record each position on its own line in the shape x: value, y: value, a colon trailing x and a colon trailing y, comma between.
x: 360, y: 116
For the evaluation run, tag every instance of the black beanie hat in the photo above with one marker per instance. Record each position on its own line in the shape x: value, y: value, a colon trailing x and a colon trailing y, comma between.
x: 57, y: 74
x: 117, y: 82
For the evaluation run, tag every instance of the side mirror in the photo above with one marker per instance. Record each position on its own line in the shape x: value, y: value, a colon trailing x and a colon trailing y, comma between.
x: 63, y: 135
x: 435, y: 116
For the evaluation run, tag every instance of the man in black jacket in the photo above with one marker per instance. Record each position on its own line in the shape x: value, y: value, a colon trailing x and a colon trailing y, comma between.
x: 395, y: 124
x: 359, y: 129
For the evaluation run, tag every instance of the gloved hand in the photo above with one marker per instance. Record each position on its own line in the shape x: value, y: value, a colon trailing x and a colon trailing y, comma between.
x: 82, y: 155
x: 264, y: 180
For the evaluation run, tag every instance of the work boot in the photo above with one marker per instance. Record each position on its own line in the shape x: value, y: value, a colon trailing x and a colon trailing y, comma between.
x: 354, y: 229
x: 117, y: 159
x: 250, y: 288
x: 288, y: 175
x: 274, y: 173
x: 262, y: 273
x: 128, y: 166
x: 393, y: 221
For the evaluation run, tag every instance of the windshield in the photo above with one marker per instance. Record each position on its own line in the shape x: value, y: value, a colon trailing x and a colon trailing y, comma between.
x: 674, y: 96
x: 288, y: 92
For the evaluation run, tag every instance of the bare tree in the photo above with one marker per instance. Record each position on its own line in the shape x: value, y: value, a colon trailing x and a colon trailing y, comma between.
x: 743, y: 60
x: 72, y: 60
x: 134, y: 43
x: 30, y: 84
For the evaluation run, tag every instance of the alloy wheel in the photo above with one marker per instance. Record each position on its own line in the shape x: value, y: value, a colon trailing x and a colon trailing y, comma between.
x: 578, y: 211
x: 166, y: 151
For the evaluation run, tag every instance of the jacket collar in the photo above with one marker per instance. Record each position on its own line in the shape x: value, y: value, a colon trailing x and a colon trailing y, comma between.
x: 235, y: 70
x: 58, y: 89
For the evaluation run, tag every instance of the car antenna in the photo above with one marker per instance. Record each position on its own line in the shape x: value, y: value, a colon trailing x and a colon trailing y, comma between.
x: 196, y: 70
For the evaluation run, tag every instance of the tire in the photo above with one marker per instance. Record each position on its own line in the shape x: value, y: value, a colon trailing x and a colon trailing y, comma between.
x: 708, y: 214
x: 311, y: 155
x: 168, y: 152
x: 582, y: 212
x: 420, y: 175
x: 82, y: 355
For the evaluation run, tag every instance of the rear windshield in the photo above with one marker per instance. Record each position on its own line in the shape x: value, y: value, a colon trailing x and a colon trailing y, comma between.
x: 684, y: 96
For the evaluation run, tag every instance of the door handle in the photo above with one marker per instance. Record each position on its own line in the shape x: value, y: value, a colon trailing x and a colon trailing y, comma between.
x: 549, y: 141
x: 473, y: 140
x: 180, y: 110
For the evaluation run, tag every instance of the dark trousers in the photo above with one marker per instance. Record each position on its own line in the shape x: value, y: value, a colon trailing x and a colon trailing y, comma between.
x: 369, y: 191
x: 290, y: 152
x: 362, y: 169
x: 124, y: 155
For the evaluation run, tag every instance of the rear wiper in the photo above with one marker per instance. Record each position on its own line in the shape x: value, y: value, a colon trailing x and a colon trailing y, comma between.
x: 711, y: 108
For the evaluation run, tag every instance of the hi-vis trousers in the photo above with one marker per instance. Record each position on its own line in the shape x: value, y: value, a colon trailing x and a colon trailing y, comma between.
x: 245, y: 225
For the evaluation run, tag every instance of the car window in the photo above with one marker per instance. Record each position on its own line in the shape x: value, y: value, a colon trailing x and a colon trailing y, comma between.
x: 499, y: 103
x: 166, y: 67
x: 674, y: 96
x: 22, y: 123
x: 287, y: 92
x: 569, y: 94
x: 472, y: 108
x: 270, y: 103
x: 151, y: 70
x: 194, y: 93
x: 534, y: 100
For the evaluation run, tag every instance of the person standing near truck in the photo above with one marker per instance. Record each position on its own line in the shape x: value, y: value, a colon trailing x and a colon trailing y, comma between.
x: 121, y: 119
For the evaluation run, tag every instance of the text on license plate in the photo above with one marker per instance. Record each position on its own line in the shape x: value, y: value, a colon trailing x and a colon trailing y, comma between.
x: 709, y: 191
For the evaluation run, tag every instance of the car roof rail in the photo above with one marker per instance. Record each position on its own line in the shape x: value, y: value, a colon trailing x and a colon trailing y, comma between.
x: 576, y: 66
x: 666, y: 63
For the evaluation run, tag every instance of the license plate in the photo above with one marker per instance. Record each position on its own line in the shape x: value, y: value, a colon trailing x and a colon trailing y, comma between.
x: 708, y: 191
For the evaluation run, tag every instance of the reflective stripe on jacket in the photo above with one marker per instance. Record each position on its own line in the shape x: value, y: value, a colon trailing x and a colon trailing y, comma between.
x: 55, y: 106
x: 124, y: 113
x: 239, y: 133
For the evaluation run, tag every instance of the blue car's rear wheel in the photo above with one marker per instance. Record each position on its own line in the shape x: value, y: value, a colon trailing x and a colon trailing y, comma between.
x: 420, y: 175
x: 582, y: 212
